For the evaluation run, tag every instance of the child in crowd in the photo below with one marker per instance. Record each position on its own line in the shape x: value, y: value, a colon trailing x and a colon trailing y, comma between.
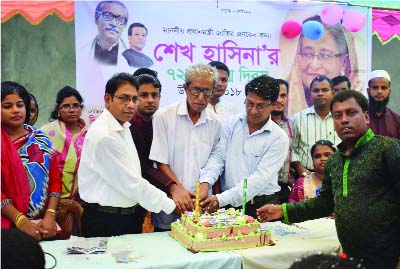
x: 309, y: 185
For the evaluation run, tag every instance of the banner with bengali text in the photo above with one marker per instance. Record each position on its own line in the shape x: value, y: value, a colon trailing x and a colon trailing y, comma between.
x: 244, y: 35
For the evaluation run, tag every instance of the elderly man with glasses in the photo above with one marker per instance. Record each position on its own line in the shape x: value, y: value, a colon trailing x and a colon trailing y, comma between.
x: 111, y: 18
x: 183, y: 136
x: 251, y: 146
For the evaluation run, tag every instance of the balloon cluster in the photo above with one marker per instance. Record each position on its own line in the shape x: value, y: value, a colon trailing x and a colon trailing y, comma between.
x: 352, y: 20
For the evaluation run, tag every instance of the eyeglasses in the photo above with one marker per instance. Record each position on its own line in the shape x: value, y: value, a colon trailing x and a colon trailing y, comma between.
x: 323, y: 57
x: 108, y: 16
x: 259, y: 107
x: 72, y: 107
x: 197, y: 91
x: 125, y: 99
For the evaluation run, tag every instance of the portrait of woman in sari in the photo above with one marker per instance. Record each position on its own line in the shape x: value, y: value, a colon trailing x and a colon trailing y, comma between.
x: 67, y: 132
x: 30, y: 182
x: 332, y: 55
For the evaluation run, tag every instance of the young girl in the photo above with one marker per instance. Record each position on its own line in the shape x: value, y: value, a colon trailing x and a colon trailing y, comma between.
x: 309, y: 186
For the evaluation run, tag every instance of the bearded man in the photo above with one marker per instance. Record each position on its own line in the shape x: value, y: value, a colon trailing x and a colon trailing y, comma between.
x: 383, y: 120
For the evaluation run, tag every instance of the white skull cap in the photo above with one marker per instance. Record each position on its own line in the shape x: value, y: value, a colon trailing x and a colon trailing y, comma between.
x: 379, y: 74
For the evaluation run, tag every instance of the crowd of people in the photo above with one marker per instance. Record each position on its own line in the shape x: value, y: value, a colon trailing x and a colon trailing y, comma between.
x: 335, y: 158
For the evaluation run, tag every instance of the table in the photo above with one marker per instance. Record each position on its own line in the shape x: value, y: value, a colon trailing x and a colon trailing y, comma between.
x: 292, y: 242
x: 158, y: 250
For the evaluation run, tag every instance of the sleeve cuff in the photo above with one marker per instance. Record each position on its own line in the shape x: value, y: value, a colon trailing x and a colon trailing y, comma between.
x: 220, y: 199
x: 169, y: 206
x: 207, y: 180
x: 285, y: 214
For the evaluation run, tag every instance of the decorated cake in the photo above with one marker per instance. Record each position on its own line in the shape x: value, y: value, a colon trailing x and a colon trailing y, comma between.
x: 222, y: 230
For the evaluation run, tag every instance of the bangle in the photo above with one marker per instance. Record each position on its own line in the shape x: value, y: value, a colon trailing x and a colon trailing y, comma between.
x: 17, y: 216
x: 51, y: 211
x: 20, y: 220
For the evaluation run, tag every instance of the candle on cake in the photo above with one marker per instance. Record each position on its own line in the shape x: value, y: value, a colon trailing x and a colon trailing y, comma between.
x: 197, y: 203
x: 244, y: 197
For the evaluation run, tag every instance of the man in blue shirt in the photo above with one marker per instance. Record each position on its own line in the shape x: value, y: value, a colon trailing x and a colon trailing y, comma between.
x: 251, y: 146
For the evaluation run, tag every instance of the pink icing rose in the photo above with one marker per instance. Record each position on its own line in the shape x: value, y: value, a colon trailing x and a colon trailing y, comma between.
x: 216, y: 235
x: 206, y: 224
x: 233, y: 234
x: 250, y: 219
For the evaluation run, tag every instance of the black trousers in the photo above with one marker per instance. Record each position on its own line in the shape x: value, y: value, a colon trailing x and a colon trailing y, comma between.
x: 258, y: 202
x: 284, y: 193
x: 96, y: 223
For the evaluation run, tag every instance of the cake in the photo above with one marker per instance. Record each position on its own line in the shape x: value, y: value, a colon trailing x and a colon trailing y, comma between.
x: 222, y: 230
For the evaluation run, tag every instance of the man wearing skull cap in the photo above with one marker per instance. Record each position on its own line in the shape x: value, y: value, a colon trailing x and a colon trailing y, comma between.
x: 383, y: 120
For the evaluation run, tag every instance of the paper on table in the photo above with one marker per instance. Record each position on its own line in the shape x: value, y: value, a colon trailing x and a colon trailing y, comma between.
x: 82, y: 245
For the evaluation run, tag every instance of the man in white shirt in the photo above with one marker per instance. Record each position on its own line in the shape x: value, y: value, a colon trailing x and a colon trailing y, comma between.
x: 251, y: 146
x: 183, y: 136
x: 219, y: 108
x: 312, y: 124
x: 110, y: 181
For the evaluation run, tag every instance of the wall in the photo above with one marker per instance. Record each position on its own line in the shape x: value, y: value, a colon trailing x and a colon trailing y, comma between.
x: 41, y: 57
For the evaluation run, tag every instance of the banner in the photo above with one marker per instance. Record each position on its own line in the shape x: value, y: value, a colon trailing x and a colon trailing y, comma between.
x: 246, y: 36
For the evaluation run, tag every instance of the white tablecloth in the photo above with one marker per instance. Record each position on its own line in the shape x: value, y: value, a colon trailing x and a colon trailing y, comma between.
x: 156, y: 250
x: 292, y: 242
x: 159, y: 250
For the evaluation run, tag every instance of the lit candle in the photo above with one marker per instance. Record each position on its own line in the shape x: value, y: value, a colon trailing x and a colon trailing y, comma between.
x: 244, y: 196
x: 197, y: 204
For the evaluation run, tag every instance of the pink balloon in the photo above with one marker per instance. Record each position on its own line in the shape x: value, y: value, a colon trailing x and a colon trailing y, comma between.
x: 331, y: 14
x: 353, y: 20
x: 290, y: 29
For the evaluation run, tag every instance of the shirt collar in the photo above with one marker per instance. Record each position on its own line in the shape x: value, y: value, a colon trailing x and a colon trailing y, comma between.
x: 364, y: 139
x: 115, y: 44
x: 268, y: 126
x: 311, y: 110
x: 113, y: 123
x: 136, y: 118
x: 183, y: 111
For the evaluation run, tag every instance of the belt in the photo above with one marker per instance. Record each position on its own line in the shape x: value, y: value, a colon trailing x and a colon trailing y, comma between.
x: 261, y: 199
x: 111, y: 209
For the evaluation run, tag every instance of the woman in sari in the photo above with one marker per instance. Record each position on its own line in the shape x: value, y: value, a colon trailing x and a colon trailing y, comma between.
x: 334, y: 54
x: 29, y: 189
x: 67, y: 132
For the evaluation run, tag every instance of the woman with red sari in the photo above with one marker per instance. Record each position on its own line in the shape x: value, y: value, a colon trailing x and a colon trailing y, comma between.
x: 30, y: 180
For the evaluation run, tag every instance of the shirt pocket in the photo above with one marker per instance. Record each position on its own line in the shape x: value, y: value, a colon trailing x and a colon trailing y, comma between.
x: 253, y: 157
